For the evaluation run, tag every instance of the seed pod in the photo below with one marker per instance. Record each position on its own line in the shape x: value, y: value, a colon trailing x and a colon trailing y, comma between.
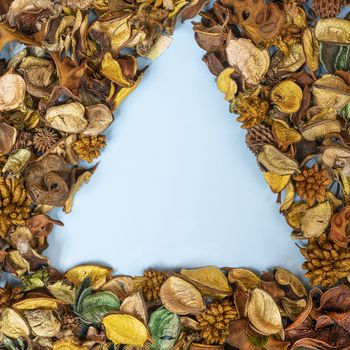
x: 287, y: 96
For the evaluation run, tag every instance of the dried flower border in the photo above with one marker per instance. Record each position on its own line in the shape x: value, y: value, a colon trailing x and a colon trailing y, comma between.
x: 56, y: 100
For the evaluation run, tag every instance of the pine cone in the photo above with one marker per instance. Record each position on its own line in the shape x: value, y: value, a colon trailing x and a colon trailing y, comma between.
x: 257, y: 136
x: 88, y: 148
x: 327, y: 263
x: 311, y: 185
x: 327, y: 8
x: 150, y: 284
x: 214, y: 321
x: 14, y: 204
x: 251, y: 110
x: 44, y: 139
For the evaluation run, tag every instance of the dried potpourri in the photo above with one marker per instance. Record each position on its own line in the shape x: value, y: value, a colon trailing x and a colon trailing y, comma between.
x: 57, y: 95
x: 204, y: 308
x: 286, y: 74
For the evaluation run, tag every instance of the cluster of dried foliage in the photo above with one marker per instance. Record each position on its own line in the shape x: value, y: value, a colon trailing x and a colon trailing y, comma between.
x: 283, y: 70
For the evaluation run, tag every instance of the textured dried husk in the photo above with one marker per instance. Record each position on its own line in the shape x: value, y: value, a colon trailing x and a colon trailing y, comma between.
x: 314, y: 131
x: 252, y: 62
x: 277, y: 162
x: 291, y: 62
x: 331, y: 91
x: 333, y: 30
x: 12, y: 91
x: 287, y: 96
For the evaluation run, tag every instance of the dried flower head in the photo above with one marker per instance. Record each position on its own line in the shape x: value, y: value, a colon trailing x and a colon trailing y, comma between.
x: 88, y: 148
x: 214, y: 321
x: 251, y: 110
x: 327, y: 263
x: 44, y: 139
x: 14, y: 204
x: 312, y: 184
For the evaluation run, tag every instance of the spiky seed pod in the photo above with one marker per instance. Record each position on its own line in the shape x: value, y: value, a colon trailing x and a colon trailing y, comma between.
x: 14, y: 204
x: 258, y: 136
x: 327, y: 8
x: 312, y: 184
x: 214, y: 321
x: 44, y: 139
x: 251, y: 110
x: 326, y: 262
x: 88, y: 148
x: 150, y: 284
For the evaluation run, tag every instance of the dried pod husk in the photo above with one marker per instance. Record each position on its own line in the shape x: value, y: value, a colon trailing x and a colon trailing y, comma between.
x: 246, y: 278
x: 252, y: 62
x: 319, y: 129
x: 210, y: 39
x: 8, y: 136
x: 335, y: 57
x: 43, y: 323
x: 337, y: 157
x: 331, y: 91
x: 226, y: 84
x: 311, y: 49
x: 316, y: 219
x: 333, y: 30
x: 67, y: 117
x: 277, y: 162
x: 99, y: 118
x: 48, y: 180
x: 287, y: 96
x: 38, y: 75
x: 181, y: 297
x: 263, y: 313
x: 286, y: 278
x: 289, y: 63
x: 12, y: 91
x: 13, y: 325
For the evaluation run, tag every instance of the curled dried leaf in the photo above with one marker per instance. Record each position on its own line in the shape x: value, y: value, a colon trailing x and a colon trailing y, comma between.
x: 97, y: 274
x: 276, y: 182
x: 245, y: 277
x: 286, y: 278
x: 99, y: 118
x: 226, y: 84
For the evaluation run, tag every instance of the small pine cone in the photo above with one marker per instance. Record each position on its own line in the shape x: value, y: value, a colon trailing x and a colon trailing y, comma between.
x: 327, y: 8
x: 14, y: 204
x: 88, y: 148
x: 327, y: 263
x: 150, y: 284
x: 5, y: 298
x: 24, y: 140
x: 312, y: 184
x: 251, y: 110
x: 71, y: 325
x: 259, y: 135
x: 214, y: 321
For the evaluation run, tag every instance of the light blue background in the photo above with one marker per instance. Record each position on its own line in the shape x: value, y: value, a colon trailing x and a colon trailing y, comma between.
x: 176, y: 186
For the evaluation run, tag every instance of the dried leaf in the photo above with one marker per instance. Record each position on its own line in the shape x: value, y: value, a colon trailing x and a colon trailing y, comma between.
x: 97, y: 274
x: 62, y: 291
x: 226, y: 84
x: 311, y: 49
x: 37, y: 303
x: 263, y: 313
x: 17, y: 161
x: 333, y: 30
x: 121, y: 286
x: 209, y: 280
x: 125, y: 329
x: 68, y: 344
x: 287, y: 96
x: 43, y: 323
x: 135, y: 305
x: 276, y: 182
x: 316, y: 130
x: 245, y: 277
x: 289, y: 197
x: 8, y: 136
x: 12, y: 92
x: 13, y: 325
x: 286, y: 278
x: 99, y: 118
x: 181, y: 297
x: 165, y: 329
x: 160, y: 46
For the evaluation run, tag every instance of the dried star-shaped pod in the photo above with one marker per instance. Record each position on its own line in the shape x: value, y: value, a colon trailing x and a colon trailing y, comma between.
x: 48, y: 180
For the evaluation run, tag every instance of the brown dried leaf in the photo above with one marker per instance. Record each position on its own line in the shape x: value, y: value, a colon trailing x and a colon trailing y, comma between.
x: 245, y: 277
x: 311, y: 49
x: 13, y: 325
x: 8, y: 135
x: 12, y: 91
x: 99, y: 118
x: 181, y: 297
x: 339, y: 224
x: 286, y: 278
x: 263, y: 313
x: 135, y: 305
x: 43, y: 323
